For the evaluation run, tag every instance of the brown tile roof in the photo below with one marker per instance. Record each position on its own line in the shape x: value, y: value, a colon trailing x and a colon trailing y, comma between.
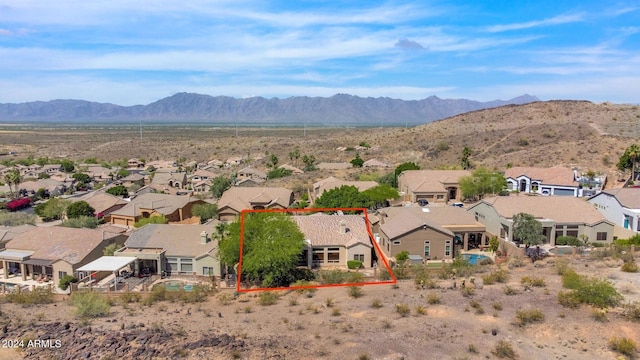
x: 627, y: 197
x: 401, y: 220
x: 175, y: 239
x: 164, y: 204
x: 556, y: 175
x: 331, y: 182
x: 563, y: 209
x: 431, y: 180
x: 9, y: 232
x: 59, y: 243
x: 240, y: 198
x: 100, y: 200
x: 325, y: 230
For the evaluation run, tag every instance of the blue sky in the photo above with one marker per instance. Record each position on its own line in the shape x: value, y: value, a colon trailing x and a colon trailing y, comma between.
x: 135, y: 52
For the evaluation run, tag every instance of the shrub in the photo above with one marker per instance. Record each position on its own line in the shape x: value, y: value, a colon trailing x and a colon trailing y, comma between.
x: 497, y: 306
x: 423, y: 280
x: 376, y: 303
x: 568, y: 240
x: 384, y: 275
x: 130, y: 297
x: 593, y: 291
x: 403, y: 309
x: 524, y: 317
x: 402, y: 256
x: 89, y: 305
x: 355, y: 291
x: 467, y: 291
x: 225, y: 298
x: 339, y: 277
x: 433, y: 299
x: 532, y: 281
x: 599, y: 315
x: 568, y: 299
x: 66, y: 280
x: 508, y: 290
x: 309, y: 292
x: 562, y: 265
x: 499, y: 275
x: 268, y: 298
x: 504, y: 350
x: 476, y: 305
x: 623, y: 345
x: 631, y: 311
x: 630, y: 266
x: 27, y: 298
x: 354, y: 264
x: 420, y: 310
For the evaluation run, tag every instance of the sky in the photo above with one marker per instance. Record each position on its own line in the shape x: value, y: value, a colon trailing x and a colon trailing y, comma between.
x: 136, y: 52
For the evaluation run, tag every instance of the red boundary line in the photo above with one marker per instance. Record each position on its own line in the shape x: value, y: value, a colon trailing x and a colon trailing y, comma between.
x: 375, y: 244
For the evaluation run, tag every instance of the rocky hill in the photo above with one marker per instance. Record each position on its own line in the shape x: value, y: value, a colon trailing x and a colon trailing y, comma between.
x: 337, y: 110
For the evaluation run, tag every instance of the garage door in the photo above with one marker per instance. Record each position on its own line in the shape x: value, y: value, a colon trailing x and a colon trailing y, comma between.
x: 563, y: 192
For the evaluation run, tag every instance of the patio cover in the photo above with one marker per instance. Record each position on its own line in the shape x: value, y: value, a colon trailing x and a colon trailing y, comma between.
x: 38, y: 262
x: 108, y: 263
x: 15, y: 255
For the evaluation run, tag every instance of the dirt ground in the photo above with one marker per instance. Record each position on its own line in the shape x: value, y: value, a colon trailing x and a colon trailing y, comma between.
x: 332, y: 325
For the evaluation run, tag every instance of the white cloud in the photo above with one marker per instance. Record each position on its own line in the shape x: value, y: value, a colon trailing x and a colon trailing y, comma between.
x: 557, y: 20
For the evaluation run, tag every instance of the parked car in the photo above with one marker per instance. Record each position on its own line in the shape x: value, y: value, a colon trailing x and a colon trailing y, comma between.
x: 458, y: 204
x: 423, y: 202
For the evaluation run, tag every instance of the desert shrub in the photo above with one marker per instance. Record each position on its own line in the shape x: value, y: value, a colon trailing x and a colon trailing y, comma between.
x: 89, y: 305
x: 497, y: 306
x: 486, y: 261
x: 593, y: 291
x: 516, y: 262
x: 499, y: 275
x: 420, y: 310
x: 199, y: 293
x: 308, y: 292
x: 401, y: 271
x: 562, y: 265
x: 355, y: 291
x: 423, y: 279
x: 16, y: 218
x: 630, y: 266
x: 524, y: 317
x: 384, y: 275
x: 623, y: 345
x: 225, y: 298
x: 66, y: 280
x: 467, y: 291
x: 402, y: 256
x: 568, y: 299
x: 599, y: 315
x: 504, y: 350
x: 268, y: 298
x: 433, y: 299
x: 631, y: 311
x: 508, y: 290
x: 403, y: 309
x: 532, y: 281
x: 27, y: 298
x: 354, y: 264
x: 376, y: 303
x: 568, y: 240
x: 339, y: 277
x: 477, y: 306
x: 130, y: 297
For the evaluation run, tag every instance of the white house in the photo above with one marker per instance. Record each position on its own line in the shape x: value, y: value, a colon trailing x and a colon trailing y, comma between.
x: 620, y: 206
x: 557, y: 180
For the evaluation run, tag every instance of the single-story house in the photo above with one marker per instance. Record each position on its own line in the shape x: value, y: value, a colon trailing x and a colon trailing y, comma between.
x: 236, y: 199
x: 439, y: 186
x: 559, y: 216
x: 620, y: 206
x: 437, y: 232
x: 174, y: 207
x: 557, y: 180
x: 250, y: 173
x: 9, y: 232
x: 293, y: 169
x: 55, y: 251
x: 102, y: 202
x: 174, y: 249
x: 332, y: 240
x: 170, y: 179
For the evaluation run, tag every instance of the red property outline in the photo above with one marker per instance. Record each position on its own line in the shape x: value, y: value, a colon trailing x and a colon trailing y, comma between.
x: 375, y: 244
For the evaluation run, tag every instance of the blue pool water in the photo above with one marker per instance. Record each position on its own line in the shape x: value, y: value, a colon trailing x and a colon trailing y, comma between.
x: 474, y: 259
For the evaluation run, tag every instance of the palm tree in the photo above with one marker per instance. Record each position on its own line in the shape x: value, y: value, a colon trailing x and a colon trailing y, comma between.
x: 12, y: 177
x: 221, y: 229
x: 634, y: 156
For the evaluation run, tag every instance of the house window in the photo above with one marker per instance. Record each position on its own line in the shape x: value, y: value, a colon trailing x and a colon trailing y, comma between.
x: 359, y: 257
x: 318, y: 255
x: 186, y: 265
x: 440, y: 197
x: 427, y: 249
x: 447, y: 248
x: 397, y: 242
x: 207, y: 270
x: 61, y: 274
x: 573, y: 233
x: 333, y: 255
x: 601, y: 236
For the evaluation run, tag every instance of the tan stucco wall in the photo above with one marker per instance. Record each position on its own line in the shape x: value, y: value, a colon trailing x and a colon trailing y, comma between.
x: 413, y: 242
x: 208, y: 261
x: 360, y: 249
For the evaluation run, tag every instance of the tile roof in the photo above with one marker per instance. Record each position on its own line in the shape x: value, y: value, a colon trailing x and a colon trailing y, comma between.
x: 59, y: 243
x: 556, y: 175
x: 325, y: 230
x: 240, y: 198
x: 331, y: 182
x: 175, y: 239
x: 100, y: 200
x: 627, y: 197
x: 164, y: 204
x: 563, y: 209
x: 401, y: 220
x: 430, y: 180
x: 9, y: 232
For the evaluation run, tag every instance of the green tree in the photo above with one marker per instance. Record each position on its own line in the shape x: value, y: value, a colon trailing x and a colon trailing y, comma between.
x: 89, y: 222
x: 205, y: 211
x: 67, y: 166
x: 272, y: 162
x: 79, y: 208
x: 42, y: 161
x: 161, y: 219
x: 481, y: 183
x: 271, y: 246
x: 527, y: 229
x: 110, y: 249
x: 278, y: 173
x: 379, y: 195
x: 82, y: 178
x: 122, y: 173
x: 403, y: 167
x: 357, y: 161
x: 294, y: 156
x: 12, y: 177
x: 464, y: 159
x: 43, y: 175
x: 118, y: 190
x: 344, y: 196
x: 629, y: 159
x: 309, y: 162
x: 52, y: 209
x: 388, y: 179
x: 219, y: 185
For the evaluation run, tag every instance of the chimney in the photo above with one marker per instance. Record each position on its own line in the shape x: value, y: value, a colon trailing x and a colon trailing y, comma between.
x: 575, y: 174
x: 343, y: 227
x: 204, y: 238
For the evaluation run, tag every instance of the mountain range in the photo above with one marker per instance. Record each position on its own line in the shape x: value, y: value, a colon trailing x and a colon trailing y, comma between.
x: 340, y: 109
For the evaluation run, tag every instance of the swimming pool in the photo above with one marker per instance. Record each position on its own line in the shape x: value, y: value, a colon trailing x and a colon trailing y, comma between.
x: 176, y: 285
x: 474, y: 259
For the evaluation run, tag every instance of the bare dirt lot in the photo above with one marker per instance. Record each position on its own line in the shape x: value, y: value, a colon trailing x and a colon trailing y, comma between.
x: 332, y: 325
